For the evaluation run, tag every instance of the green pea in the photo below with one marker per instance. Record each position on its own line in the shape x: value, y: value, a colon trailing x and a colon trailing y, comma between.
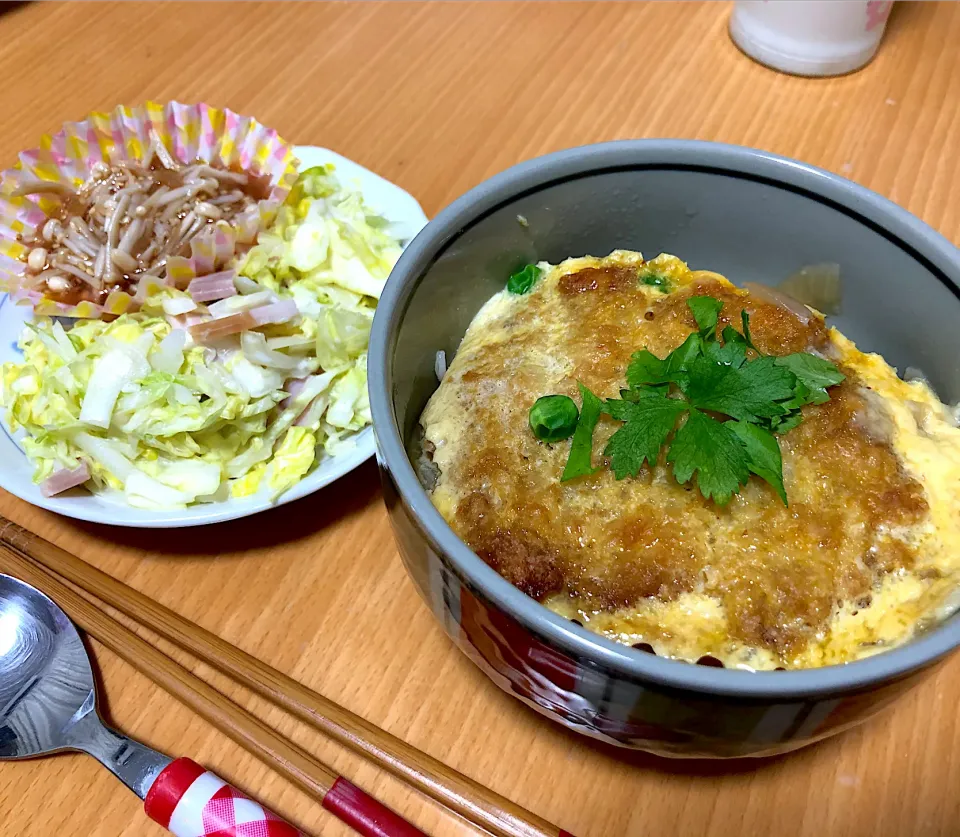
x: 523, y: 280
x: 553, y: 418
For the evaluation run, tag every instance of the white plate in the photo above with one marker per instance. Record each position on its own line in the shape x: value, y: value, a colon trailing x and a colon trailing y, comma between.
x: 400, y: 208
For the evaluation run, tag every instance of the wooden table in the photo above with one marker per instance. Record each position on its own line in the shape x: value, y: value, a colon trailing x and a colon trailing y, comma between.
x: 438, y: 97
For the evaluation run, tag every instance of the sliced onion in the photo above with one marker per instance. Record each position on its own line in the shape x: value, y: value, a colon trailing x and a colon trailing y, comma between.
x: 277, y: 312
x: 178, y: 305
x: 214, y: 286
x: 168, y: 356
x: 254, y: 346
x: 816, y: 285
x: 246, y: 285
x: 145, y: 489
x: 63, y: 479
x: 780, y: 299
x: 252, y: 378
x: 111, y: 372
x: 440, y: 365
x: 296, y: 342
x: 107, y: 454
x: 234, y: 304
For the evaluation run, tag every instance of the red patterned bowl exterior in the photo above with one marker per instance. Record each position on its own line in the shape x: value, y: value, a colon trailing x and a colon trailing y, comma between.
x: 591, y: 699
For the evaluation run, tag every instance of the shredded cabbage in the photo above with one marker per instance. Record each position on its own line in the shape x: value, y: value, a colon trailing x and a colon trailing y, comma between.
x: 163, y: 421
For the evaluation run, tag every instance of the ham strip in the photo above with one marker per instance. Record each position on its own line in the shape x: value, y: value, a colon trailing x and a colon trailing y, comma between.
x: 214, y: 286
x: 63, y: 479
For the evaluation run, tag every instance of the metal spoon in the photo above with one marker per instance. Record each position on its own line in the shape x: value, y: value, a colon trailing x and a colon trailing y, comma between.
x: 48, y: 704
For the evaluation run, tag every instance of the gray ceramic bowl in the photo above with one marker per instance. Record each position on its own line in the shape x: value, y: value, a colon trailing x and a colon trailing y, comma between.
x: 741, y: 212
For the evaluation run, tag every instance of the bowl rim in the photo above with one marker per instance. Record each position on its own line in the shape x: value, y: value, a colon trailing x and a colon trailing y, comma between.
x: 922, y: 242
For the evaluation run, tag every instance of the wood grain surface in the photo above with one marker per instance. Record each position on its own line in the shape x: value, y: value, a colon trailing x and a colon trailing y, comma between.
x: 437, y: 97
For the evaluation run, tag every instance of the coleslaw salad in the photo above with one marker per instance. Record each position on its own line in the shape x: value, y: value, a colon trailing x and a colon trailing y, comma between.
x: 234, y: 386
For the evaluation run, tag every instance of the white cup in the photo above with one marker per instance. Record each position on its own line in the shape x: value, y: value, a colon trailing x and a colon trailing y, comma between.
x: 810, y: 37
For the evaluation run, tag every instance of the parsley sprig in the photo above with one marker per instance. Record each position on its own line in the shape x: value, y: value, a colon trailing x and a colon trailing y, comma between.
x: 714, y: 408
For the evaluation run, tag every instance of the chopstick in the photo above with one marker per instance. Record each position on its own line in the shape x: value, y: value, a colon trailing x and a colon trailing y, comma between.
x: 292, y: 762
x: 474, y: 802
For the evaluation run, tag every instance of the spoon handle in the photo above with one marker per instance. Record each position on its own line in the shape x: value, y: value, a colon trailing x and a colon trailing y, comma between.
x: 192, y: 802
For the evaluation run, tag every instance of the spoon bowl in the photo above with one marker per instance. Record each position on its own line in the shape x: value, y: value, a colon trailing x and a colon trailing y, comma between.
x: 48, y: 699
x: 46, y: 682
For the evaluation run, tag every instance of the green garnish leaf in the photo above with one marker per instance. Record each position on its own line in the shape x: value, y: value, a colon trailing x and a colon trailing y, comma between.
x: 714, y: 452
x: 647, y: 423
x: 748, y: 393
x: 816, y: 374
x: 801, y: 395
x: 733, y: 352
x: 523, y: 280
x: 553, y: 418
x: 782, y: 424
x: 733, y: 406
x: 581, y: 449
x: 706, y: 311
x: 763, y: 453
x: 745, y: 319
x: 731, y: 335
x: 647, y: 368
x: 637, y: 393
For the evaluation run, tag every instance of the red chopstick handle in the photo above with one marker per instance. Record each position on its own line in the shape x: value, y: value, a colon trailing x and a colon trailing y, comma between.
x: 364, y: 814
x: 189, y: 801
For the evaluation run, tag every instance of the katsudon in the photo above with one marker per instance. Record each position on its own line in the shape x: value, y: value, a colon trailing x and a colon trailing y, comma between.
x: 709, y: 473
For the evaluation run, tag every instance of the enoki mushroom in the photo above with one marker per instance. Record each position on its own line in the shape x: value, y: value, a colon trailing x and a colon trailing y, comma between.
x: 126, y: 221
